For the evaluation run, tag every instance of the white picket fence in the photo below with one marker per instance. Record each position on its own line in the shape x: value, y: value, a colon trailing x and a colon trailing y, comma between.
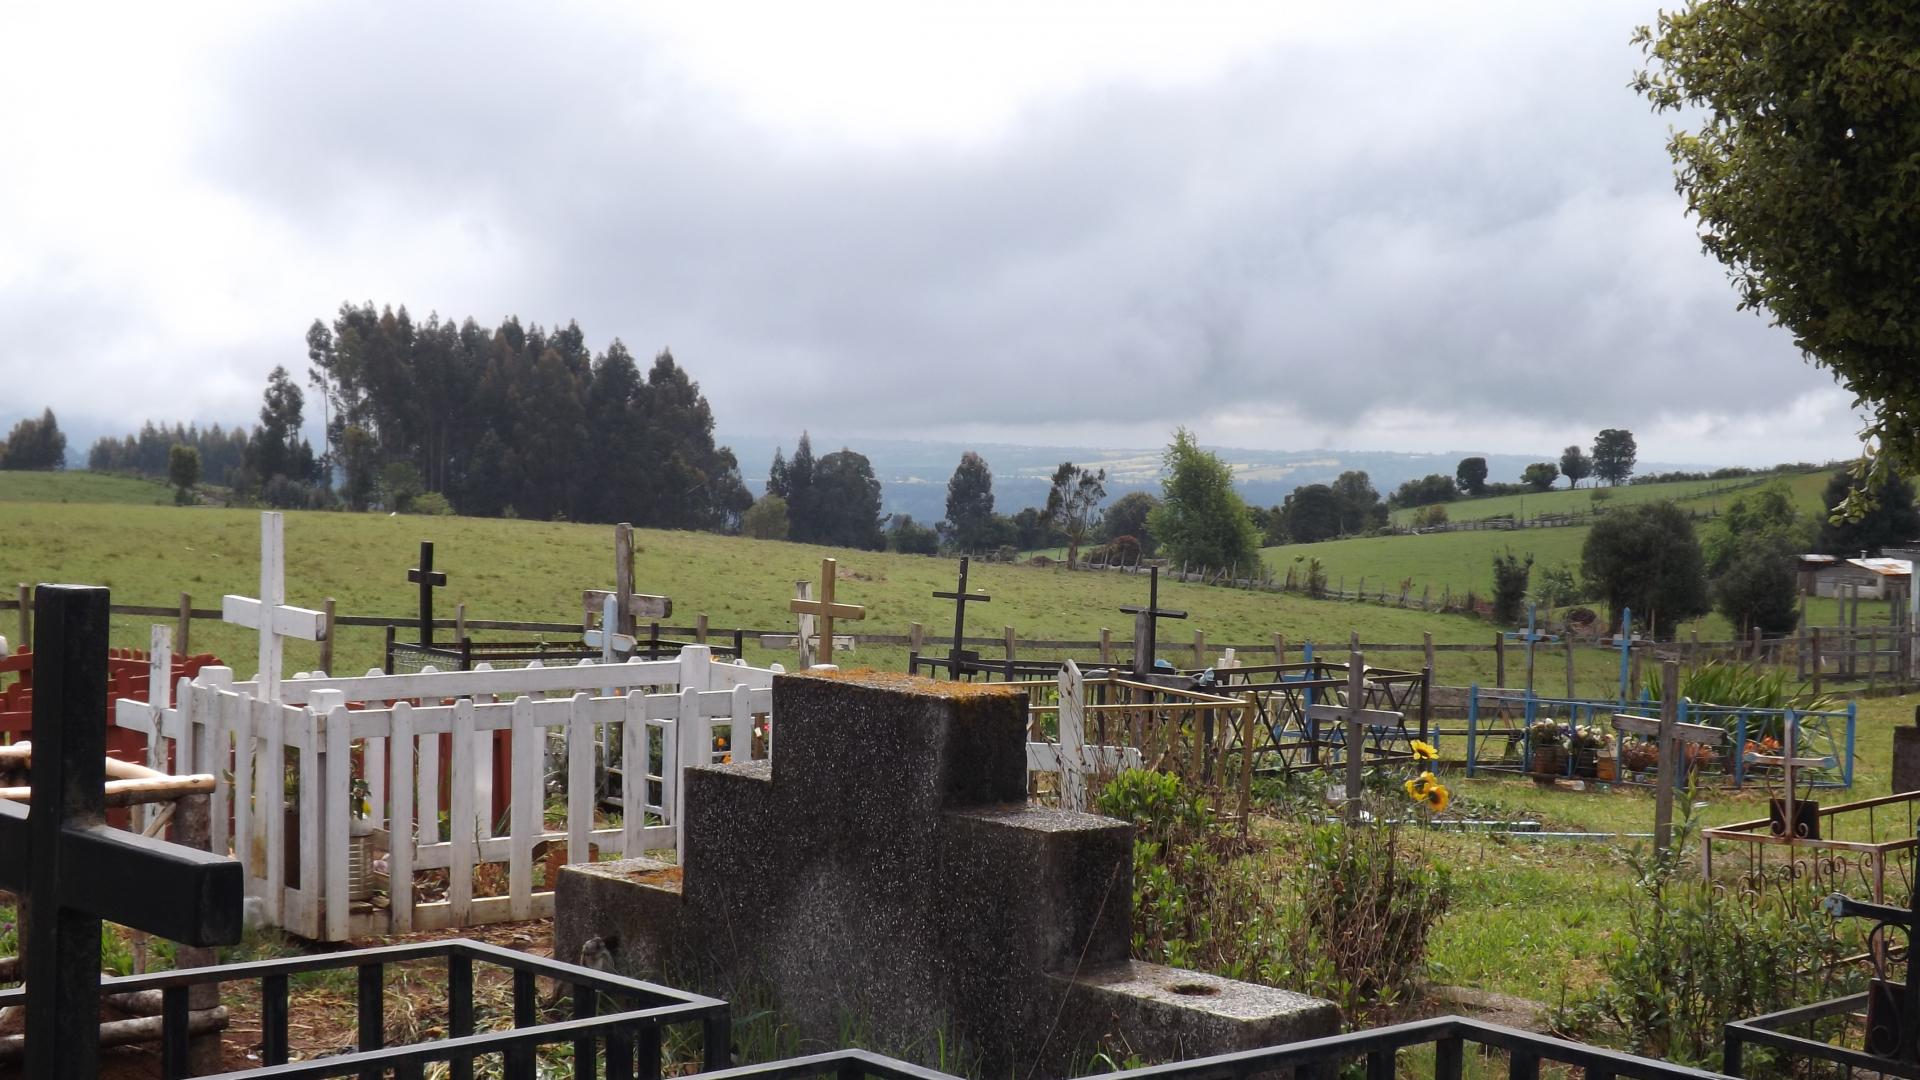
x: 220, y: 726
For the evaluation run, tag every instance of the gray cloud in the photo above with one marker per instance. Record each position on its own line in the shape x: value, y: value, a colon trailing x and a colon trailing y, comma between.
x: 1480, y: 227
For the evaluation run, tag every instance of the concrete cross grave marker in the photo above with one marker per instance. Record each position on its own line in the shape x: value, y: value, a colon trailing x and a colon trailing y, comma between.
x: 961, y: 598
x: 1357, y: 718
x: 428, y: 579
x: 1146, y: 622
x: 72, y: 870
x: 270, y: 614
x: 824, y: 610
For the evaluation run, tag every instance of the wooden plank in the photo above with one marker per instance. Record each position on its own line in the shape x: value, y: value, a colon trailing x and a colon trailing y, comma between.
x: 525, y: 809
x: 273, y: 802
x: 401, y: 843
x: 582, y: 735
x: 248, y: 844
x: 1704, y: 734
x: 505, y: 683
x: 461, y: 832
x: 1072, y: 735
x: 336, y: 803
x: 303, y: 911
x: 696, y: 748
x: 634, y: 769
x: 429, y: 800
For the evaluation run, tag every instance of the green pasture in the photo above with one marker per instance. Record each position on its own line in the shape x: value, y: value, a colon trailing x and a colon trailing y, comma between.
x: 82, y: 487
x: 1704, y: 494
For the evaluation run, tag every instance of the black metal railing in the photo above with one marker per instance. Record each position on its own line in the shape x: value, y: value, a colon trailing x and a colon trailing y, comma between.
x: 630, y: 1032
x: 1772, y: 1031
x: 1449, y: 1037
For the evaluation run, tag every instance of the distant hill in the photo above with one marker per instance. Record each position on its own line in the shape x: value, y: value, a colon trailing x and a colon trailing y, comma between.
x: 913, y: 475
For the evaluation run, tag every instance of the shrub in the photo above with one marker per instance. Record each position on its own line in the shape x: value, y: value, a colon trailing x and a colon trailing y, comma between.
x: 1428, y: 517
x: 1342, y: 913
x: 1695, y: 956
x: 1510, y: 574
x: 433, y: 503
x: 1558, y: 587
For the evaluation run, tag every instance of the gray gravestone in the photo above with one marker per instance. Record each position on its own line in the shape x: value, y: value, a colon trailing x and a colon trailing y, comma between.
x: 886, y: 869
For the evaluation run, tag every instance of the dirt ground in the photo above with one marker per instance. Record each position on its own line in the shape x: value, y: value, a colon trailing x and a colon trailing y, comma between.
x: 322, y: 1011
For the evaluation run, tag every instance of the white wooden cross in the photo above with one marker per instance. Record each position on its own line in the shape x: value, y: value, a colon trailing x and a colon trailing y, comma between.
x: 269, y: 614
x: 607, y: 636
x: 1357, y: 719
x: 823, y: 611
x: 1072, y: 758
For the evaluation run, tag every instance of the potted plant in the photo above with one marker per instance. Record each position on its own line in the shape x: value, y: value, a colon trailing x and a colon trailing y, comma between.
x: 1639, y: 755
x: 1589, y: 747
x: 1549, y: 746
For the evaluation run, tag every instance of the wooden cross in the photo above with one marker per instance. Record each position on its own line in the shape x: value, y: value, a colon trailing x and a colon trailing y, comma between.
x: 71, y: 870
x: 1146, y: 622
x: 1531, y: 637
x: 961, y: 598
x: 270, y: 614
x: 1671, y: 733
x: 630, y: 606
x: 1357, y: 718
x: 428, y: 579
x: 824, y: 609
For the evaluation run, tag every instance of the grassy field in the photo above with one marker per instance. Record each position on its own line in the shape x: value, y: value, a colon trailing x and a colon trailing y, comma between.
x: 536, y: 570
x: 1700, y: 493
x: 1463, y: 561
x: 82, y: 487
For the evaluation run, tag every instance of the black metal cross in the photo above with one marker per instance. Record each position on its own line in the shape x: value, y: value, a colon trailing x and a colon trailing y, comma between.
x: 1143, y: 658
x: 428, y: 579
x: 961, y: 598
x: 72, y: 870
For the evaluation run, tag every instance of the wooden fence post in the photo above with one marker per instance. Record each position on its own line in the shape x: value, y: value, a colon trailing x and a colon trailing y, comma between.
x: 1499, y: 659
x: 326, y: 636
x: 460, y: 622
x: 1199, y: 649
x: 1570, y: 678
x: 917, y: 638
x: 183, y: 626
x: 23, y: 594
x: 1816, y: 660
x: 1106, y: 646
x: 1279, y: 648
x: 1009, y: 643
x: 1669, y: 761
x: 700, y: 628
x: 1426, y: 687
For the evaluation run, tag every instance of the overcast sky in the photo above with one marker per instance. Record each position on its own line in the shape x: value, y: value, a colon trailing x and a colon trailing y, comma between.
x: 1286, y: 225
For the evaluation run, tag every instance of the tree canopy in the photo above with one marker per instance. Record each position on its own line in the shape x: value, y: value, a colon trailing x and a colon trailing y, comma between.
x: 1796, y: 149
x: 1575, y: 465
x: 1647, y: 558
x: 1886, y: 519
x: 1614, y: 453
x: 1201, y: 518
x: 969, y: 524
x: 1471, y: 474
x: 1073, y: 504
x: 35, y: 444
x: 1540, y: 475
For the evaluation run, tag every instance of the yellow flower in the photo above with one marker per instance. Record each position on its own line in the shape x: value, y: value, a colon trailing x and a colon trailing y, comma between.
x: 1417, y: 787
x: 1423, y: 751
x: 1437, y: 798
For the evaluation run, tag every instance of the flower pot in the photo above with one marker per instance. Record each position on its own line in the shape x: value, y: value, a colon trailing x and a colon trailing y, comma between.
x: 359, y: 859
x: 1549, y: 760
x: 1606, y: 768
x: 1586, y: 763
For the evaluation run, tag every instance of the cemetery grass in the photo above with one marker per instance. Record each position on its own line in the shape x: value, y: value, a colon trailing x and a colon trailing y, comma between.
x: 526, y: 570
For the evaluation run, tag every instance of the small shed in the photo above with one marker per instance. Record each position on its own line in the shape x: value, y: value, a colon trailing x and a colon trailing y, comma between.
x: 1875, y: 579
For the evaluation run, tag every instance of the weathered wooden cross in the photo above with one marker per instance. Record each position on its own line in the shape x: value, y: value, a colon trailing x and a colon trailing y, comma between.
x: 270, y: 614
x: 428, y: 579
x: 1670, y: 733
x: 1356, y: 717
x: 1146, y: 621
x: 961, y: 598
x: 1532, y: 637
x: 72, y: 870
x: 824, y: 610
x: 630, y: 607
